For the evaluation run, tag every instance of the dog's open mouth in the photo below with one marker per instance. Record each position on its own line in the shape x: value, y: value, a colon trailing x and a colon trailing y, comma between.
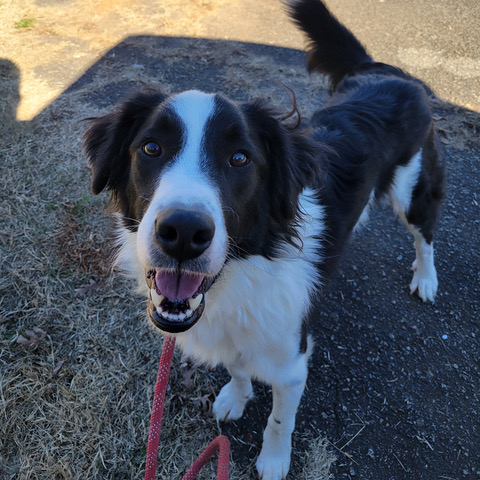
x: 177, y: 299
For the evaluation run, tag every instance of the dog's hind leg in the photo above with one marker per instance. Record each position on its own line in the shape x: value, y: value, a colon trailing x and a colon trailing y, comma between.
x: 416, y: 194
x: 424, y: 280
x: 233, y: 396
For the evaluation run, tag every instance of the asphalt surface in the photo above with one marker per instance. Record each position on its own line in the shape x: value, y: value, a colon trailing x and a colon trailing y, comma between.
x: 394, y: 383
x: 436, y: 40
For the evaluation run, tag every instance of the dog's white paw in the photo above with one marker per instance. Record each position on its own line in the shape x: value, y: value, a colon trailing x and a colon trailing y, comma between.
x: 424, y: 281
x: 230, y: 402
x: 273, y: 462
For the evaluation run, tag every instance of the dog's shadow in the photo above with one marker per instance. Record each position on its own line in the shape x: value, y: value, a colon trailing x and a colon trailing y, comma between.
x: 370, y: 334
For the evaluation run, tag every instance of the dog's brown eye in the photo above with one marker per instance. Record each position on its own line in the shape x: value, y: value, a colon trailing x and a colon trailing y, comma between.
x: 152, y: 149
x: 239, y: 159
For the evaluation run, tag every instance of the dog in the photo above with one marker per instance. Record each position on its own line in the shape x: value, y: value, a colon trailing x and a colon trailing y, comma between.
x: 232, y: 220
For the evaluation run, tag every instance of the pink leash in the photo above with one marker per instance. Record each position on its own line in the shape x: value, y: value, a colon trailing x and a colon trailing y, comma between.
x: 220, y: 444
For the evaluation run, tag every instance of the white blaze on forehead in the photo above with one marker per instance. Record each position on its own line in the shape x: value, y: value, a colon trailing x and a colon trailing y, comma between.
x: 184, y: 183
x: 194, y: 109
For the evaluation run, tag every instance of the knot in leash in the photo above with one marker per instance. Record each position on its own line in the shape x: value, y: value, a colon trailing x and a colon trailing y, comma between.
x: 220, y: 443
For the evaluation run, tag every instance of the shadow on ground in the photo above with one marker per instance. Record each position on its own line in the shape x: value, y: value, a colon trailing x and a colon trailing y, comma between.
x: 394, y: 384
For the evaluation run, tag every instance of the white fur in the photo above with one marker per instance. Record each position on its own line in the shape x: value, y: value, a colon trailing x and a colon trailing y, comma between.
x: 424, y: 281
x: 184, y: 184
x: 365, y: 213
x: 405, y: 179
x: 233, y: 397
x: 253, y: 312
x: 273, y: 462
x: 252, y: 325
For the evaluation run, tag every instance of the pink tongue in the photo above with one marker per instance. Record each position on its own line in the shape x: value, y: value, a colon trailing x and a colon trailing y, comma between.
x: 177, y: 286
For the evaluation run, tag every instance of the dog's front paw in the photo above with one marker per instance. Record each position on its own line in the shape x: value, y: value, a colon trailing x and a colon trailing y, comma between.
x: 424, y: 281
x: 273, y: 462
x: 230, y: 402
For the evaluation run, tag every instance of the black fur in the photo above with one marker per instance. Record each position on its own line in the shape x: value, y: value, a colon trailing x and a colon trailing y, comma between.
x: 377, y: 119
x: 240, y: 177
x: 333, y: 49
x: 285, y: 161
x: 293, y: 162
x: 107, y: 145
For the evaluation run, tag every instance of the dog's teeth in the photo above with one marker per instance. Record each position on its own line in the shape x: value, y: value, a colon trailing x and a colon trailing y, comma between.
x: 195, y: 302
x: 173, y: 317
x: 156, y: 298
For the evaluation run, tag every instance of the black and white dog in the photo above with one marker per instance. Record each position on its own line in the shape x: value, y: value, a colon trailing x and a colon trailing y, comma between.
x: 231, y: 220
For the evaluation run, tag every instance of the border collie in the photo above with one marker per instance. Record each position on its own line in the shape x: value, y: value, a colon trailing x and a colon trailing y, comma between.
x: 231, y: 219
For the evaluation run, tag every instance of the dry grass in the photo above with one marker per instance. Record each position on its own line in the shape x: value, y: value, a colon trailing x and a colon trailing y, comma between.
x: 75, y: 401
x: 75, y: 404
x: 317, y: 461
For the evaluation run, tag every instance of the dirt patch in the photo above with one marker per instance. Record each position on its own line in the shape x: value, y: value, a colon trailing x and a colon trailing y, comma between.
x: 82, y: 247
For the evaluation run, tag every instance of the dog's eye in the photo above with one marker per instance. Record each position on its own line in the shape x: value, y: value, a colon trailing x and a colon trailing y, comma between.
x: 239, y: 159
x: 152, y: 149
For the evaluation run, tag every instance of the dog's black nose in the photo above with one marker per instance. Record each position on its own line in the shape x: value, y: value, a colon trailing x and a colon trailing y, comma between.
x: 184, y: 234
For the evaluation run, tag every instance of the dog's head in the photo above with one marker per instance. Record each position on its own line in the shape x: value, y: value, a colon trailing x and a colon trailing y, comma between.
x: 197, y: 179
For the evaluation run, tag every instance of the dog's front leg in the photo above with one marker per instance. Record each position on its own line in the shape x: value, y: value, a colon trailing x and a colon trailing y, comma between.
x: 274, y: 460
x: 233, y: 397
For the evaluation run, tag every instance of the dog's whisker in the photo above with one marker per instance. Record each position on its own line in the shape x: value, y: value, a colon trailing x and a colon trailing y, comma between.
x: 232, y: 211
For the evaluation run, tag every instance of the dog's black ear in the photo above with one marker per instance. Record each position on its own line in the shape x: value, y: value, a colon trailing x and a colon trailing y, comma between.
x: 107, y: 140
x: 292, y: 163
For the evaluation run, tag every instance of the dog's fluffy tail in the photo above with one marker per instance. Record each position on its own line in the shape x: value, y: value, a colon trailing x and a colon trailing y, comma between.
x: 333, y: 49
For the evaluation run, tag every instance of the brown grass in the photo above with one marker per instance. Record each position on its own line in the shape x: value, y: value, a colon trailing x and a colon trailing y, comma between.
x: 75, y: 400
x: 75, y: 404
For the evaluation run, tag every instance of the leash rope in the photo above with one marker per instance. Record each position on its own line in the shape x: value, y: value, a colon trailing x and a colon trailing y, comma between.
x: 220, y: 444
